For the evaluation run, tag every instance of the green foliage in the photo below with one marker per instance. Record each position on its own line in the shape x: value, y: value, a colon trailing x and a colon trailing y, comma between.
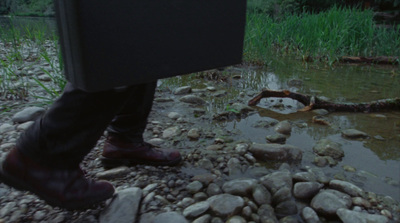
x: 325, y: 36
x: 27, y: 7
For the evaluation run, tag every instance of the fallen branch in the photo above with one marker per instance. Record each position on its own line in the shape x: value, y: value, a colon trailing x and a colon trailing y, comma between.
x: 312, y: 102
x: 375, y: 60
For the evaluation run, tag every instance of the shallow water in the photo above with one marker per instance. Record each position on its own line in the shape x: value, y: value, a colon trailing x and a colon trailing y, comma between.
x: 376, y: 160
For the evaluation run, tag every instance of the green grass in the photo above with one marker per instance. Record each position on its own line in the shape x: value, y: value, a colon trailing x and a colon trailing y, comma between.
x: 324, y: 37
x: 27, y: 46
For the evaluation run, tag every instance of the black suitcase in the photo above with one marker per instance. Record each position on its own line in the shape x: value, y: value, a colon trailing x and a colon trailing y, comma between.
x: 109, y: 44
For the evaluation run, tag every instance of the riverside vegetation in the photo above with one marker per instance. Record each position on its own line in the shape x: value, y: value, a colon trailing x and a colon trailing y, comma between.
x: 224, y: 176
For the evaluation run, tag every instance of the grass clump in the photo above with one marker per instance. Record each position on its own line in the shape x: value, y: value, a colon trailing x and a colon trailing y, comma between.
x: 325, y: 36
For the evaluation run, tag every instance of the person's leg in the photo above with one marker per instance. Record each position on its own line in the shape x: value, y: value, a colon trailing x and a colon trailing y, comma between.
x: 47, y: 156
x: 125, y: 144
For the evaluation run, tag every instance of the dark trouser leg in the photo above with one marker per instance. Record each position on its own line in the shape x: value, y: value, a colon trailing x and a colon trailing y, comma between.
x: 130, y: 123
x: 72, y: 126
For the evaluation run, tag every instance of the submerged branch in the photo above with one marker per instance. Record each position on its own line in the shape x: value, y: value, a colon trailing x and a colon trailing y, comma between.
x: 375, y: 60
x: 312, y: 102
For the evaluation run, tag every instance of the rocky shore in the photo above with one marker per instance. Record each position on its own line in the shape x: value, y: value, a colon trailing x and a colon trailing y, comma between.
x: 222, y: 178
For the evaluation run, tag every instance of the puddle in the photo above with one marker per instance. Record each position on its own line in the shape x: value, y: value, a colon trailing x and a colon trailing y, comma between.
x: 376, y: 160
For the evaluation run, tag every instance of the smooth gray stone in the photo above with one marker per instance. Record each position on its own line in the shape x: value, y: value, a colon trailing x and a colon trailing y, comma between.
x: 328, y: 201
x: 261, y: 195
x: 236, y: 219
x: 309, y: 215
x: 286, y: 208
x: 183, y: 90
x: 28, y: 114
x: 203, y: 219
x: 348, y: 216
x: 194, y: 187
x: 283, y: 127
x: 226, y: 204
x: 197, y: 209
x: 241, y: 187
x: 192, y: 99
x: 346, y: 187
x: 277, y: 180
x: 304, y: 190
x: 276, y: 152
x: 326, y: 147
x: 266, y: 214
x: 123, y: 208
x: 354, y: 134
x: 170, y: 217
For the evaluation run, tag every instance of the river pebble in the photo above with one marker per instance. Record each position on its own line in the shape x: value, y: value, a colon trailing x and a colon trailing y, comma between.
x: 28, y: 114
x: 326, y: 147
x: 354, y: 134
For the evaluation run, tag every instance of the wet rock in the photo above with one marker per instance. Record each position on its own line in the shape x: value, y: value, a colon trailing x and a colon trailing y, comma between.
x: 194, y: 134
x: 348, y: 216
x: 226, y: 204
x: 215, y: 147
x: 236, y: 219
x: 203, y: 219
x: 123, y: 207
x: 288, y: 219
x: 277, y: 180
x: 234, y: 167
x: 44, y: 77
x: 194, y: 187
x: 171, y: 132
x: 359, y: 201
x: 327, y: 202
x: 170, y: 217
x: 28, y: 114
x: 261, y: 195
x: 213, y: 189
x: 219, y: 93
x: 354, y: 134
x: 241, y: 148
x: 322, y: 161
x: 326, y: 147
x: 163, y: 100
x: 114, y: 173
x: 183, y: 90
x: 283, y: 194
x: 309, y: 215
x: 192, y: 99
x: 206, y: 164
x: 320, y: 175
x: 320, y: 111
x: 156, y: 141
x: 265, y: 123
x: 277, y: 138
x: 197, y: 209
x: 24, y: 126
x: 286, y: 208
x: 321, y: 120
x: 276, y: 152
x: 305, y: 190
x: 241, y: 187
x: 304, y: 177
x: 284, y: 127
x: 174, y: 115
x: 346, y: 187
x: 6, y: 128
x: 266, y: 214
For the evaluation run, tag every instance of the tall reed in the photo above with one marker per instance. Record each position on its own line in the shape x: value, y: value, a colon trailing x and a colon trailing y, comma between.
x: 324, y: 36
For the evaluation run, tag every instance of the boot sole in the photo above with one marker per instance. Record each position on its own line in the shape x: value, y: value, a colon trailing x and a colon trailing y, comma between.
x: 110, y: 163
x: 20, y: 185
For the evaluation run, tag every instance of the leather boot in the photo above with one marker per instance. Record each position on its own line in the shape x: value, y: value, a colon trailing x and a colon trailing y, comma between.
x: 65, y: 188
x: 119, y: 152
